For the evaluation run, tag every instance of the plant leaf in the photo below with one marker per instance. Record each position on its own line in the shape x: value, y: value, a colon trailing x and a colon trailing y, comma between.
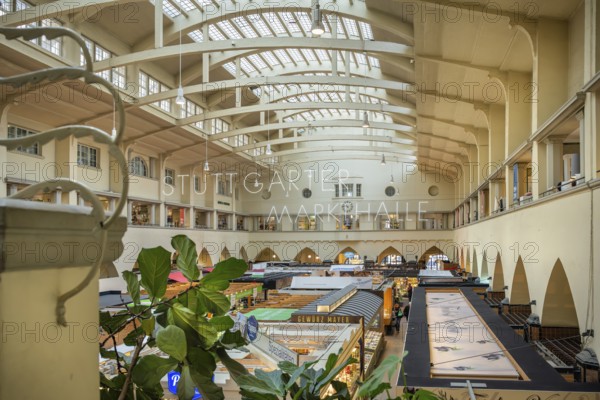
x: 131, y: 338
x: 222, y: 323
x: 383, y: 372
x: 148, y: 325
x: 133, y: 286
x: 185, y: 386
x: 253, y: 384
x: 155, y: 265
x: 202, y: 361
x: 202, y: 367
x: 332, y: 374
x: 187, y: 320
x: 187, y: 258
x: 223, y: 272
x: 111, y: 323
x: 232, y: 340
x: 150, y: 369
x: 171, y: 340
x: 212, y: 302
x: 236, y: 370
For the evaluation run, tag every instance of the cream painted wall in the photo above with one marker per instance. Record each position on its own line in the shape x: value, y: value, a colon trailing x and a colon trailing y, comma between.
x: 411, y: 185
x: 327, y: 245
x: 541, y: 234
x: 576, y: 51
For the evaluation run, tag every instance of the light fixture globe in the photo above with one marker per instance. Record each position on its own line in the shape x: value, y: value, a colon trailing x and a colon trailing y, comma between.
x: 180, y: 100
x: 268, y: 150
x: 317, y: 27
x: 206, y: 167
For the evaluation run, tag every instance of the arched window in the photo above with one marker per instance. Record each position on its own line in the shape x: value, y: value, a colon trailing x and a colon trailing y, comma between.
x: 137, y: 166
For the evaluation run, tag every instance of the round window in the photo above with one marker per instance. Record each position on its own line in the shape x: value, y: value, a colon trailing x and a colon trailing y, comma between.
x: 307, y: 193
x: 433, y: 190
x: 390, y: 191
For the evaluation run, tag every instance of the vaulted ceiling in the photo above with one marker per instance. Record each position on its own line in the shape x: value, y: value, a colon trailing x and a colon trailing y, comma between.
x: 421, y: 71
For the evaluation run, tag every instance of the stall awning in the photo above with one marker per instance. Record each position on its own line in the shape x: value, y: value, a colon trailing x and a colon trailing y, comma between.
x: 361, y: 304
x: 177, y: 276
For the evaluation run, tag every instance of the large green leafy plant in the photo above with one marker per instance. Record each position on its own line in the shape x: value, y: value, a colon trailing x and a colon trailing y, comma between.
x: 306, y: 383
x: 179, y: 326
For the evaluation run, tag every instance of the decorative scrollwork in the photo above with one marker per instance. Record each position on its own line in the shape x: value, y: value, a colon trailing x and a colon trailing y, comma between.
x: 21, y: 84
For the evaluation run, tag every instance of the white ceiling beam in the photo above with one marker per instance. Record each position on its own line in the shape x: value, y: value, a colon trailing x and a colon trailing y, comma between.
x: 318, y: 83
x: 409, y: 154
x: 384, y: 108
x: 344, y: 123
x: 357, y: 11
x: 246, y: 44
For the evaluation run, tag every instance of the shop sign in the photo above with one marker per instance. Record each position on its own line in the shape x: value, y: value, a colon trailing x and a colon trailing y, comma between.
x: 326, y: 319
x: 275, y: 350
x: 252, y: 329
x: 173, y: 379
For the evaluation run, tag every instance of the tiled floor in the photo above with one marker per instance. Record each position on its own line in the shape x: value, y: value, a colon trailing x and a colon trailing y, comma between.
x: 394, y: 345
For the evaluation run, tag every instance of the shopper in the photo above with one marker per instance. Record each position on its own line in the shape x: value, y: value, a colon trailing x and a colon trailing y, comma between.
x: 406, y: 311
x: 410, y: 290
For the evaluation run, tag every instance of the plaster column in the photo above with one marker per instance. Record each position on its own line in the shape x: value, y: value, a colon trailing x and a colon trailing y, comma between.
x: 518, y: 110
x: 538, y: 175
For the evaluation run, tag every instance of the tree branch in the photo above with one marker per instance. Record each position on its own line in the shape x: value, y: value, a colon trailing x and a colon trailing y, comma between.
x: 136, y: 354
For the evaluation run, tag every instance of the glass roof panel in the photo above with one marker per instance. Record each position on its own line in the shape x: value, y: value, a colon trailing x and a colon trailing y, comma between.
x: 374, y: 62
x: 351, y: 27
x: 185, y: 5
x: 296, y: 56
x: 229, y: 30
x: 256, y: 60
x: 290, y: 21
x: 260, y: 25
x: 305, y: 21
x: 283, y: 56
x: 271, y: 59
x: 274, y: 23
x: 331, y: 18
x: 204, y: 3
x: 309, y: 54
x: 196, y: 35
x: 246, y: 66
x: 230, y: 67
x: 215, y: 34
x: 322, y: 55
x: 170, y: 9
x: 244, y: 26
x: 365, y: 29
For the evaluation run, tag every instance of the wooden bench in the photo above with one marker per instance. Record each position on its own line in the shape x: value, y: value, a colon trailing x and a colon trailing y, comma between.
x: 559, y: 345
x: 516, y: 316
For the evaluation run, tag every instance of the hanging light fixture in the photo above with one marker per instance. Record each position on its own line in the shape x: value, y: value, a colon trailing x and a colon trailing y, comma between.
x: 317, y: 28
x: 114, y: 127
x: 268, y: 150
x: 366, y: 120
x: 391, y: 174
x: 256, y: 181
x: 383, y: 159
x: 365, y: 123
x: 206, y: 166
x: 180, y: 100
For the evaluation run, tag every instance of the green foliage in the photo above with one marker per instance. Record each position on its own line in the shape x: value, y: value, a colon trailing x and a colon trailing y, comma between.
x: 186, y: 260
x: 133, y: 286
x: 171, y: 340
x: 155, y: 265
x: 180, y: 324
x: 180, y: 327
